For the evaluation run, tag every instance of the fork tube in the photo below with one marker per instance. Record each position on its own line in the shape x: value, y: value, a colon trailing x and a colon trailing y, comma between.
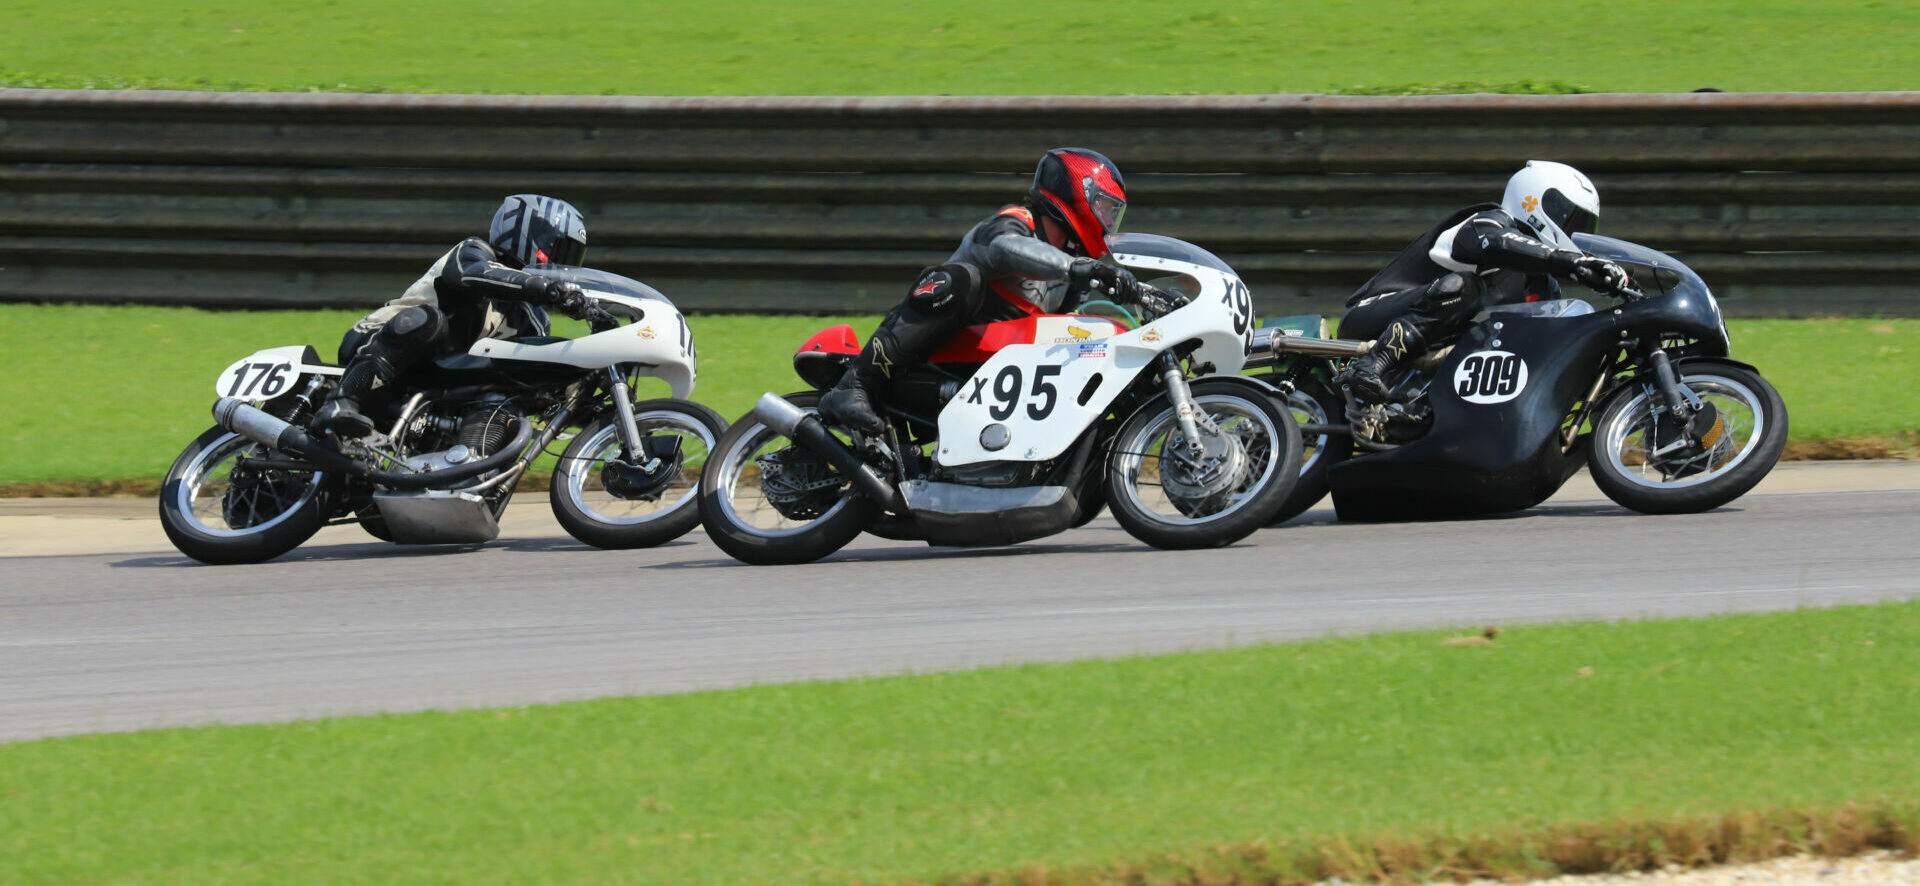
x: 1183, y: 409
x: 622, y: 403
x: 1669, y: 385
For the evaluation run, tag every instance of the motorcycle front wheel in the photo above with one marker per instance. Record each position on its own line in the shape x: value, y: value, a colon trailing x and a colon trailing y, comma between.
x: 1171, y: 501
x: 1313, y: 402
x: 218, y: 507
x: 766, y: 501
x: 1696, y: 478
x: 609, y: 504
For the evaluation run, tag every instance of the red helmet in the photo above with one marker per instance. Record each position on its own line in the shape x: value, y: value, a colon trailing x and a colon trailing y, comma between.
x: 1083, y: 191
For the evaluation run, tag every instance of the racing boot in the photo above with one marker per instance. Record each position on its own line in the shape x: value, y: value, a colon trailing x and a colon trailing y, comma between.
x: 850, y: 404
x: 1365, y: 374
x: 396, y: 345
x: 341, y: 415
x: 934, y: 309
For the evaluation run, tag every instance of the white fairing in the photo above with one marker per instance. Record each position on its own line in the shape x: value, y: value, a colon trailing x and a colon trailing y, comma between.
x: 659, y: 341
x: 1046, y: 395
x: 267, y: 373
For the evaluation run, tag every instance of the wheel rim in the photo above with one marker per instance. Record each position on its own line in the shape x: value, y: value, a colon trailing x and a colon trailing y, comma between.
x: 1307, y: 410
x: 742, y: 495
x: 583, y: 484
x: 1626, y: 441
x: 209, y: 497
x: 1137, y: 462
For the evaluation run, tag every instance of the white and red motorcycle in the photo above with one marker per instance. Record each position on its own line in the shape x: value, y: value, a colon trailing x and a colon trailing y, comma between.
x: 257, y: 485
x: 1024, y: 428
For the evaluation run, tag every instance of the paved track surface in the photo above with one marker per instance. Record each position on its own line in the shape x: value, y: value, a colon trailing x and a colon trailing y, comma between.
x: 104, y: 627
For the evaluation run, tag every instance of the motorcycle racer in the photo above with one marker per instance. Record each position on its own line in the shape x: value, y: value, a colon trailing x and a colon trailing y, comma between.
x: 1486, y: 254
x: 1027, y: 258
x: 478, y: 289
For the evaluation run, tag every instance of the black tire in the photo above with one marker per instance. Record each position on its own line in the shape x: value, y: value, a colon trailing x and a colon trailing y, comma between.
x: 1165, y: 520
x: 595, y: 515
x: 214, y: 517
x: 1314, y: 402
x: 744, y: 523
x: 1755, y: 434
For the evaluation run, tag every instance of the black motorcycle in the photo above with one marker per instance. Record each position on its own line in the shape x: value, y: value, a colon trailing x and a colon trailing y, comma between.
x: 1643, y: 393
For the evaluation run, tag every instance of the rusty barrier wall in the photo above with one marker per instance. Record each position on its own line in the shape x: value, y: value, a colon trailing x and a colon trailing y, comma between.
x: 1788, y: 204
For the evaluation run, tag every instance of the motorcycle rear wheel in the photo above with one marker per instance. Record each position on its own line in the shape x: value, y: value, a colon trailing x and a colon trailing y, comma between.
x: 1140, y: 501
x: 217, y: 515
x: 754, y: 526
x: 1625, y: 469
x: 604, y: 518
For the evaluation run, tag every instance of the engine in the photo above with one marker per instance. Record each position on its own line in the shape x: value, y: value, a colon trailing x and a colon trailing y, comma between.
x: 446, y: 434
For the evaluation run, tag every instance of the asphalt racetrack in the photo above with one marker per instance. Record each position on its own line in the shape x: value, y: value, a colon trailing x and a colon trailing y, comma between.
x: 103, y: 626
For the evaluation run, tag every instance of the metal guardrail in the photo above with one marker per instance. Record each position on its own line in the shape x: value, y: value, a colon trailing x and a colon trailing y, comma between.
x: 1788, y: 204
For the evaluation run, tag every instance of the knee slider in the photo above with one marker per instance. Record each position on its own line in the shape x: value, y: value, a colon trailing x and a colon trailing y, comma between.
x: 416, y: 326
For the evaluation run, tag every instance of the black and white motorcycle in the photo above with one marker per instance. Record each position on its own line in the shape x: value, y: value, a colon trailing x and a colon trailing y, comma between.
x: 469, y: 426
x: 1024, y: 428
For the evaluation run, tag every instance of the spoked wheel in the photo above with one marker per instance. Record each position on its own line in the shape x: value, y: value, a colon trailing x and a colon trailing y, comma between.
x: 1313, y: 402
x: 219, y: 505
x: 1729, y: 458
x: 765, y: 500
x: 608, y: 502
x: 1170, y: 498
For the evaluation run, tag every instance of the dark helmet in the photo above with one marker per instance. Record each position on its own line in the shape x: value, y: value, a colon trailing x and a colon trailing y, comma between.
x: 533, y: 229
x: 1083, y: 191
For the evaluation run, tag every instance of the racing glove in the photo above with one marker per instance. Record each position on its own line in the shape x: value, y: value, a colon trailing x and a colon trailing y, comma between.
x: 1099, y: 279
x: 566, y: 296
x: 1600, y: 274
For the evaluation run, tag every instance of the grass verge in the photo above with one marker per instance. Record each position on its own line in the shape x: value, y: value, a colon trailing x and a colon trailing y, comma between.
x: 987, y: 47
x: 1551, y: 748
x: 101, y: 398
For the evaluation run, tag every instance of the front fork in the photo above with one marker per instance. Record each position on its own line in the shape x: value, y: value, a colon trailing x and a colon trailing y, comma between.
x: 1191, y: 417
x: 630, y: 441
x: 1692, y: 421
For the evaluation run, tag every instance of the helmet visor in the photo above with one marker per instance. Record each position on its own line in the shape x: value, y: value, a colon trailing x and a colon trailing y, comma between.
x: 1569, y: 217
x: 1107, y: 207
x: 562, y: 251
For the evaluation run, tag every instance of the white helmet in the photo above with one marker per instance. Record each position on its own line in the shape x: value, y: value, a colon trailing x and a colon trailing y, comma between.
x: 1556, y: 199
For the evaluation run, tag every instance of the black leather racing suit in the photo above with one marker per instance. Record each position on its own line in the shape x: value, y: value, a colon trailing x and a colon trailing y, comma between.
x: 1477, y: 257
x: 1002, y: 270
x: 469, y: 294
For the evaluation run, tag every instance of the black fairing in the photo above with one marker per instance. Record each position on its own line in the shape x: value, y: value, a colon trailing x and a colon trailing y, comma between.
x: 1485, y: 458
x: 1481, y: 458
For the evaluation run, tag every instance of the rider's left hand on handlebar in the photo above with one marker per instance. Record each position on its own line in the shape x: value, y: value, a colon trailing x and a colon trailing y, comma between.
x: 1160, y: 302
x: 1101, y: 280
x: 597, y: 318
x: 1601, y: 275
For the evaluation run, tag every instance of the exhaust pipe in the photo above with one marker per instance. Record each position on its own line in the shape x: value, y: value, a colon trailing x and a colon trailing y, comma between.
x: 809, y: 431
x: 254, y: 424
x: 1270, y: 343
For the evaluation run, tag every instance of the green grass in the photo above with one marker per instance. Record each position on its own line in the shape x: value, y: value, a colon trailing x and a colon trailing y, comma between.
x: 991, y: 47
x: 113, y: 393
x: 1100, y: 763
x: 109, y: 393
